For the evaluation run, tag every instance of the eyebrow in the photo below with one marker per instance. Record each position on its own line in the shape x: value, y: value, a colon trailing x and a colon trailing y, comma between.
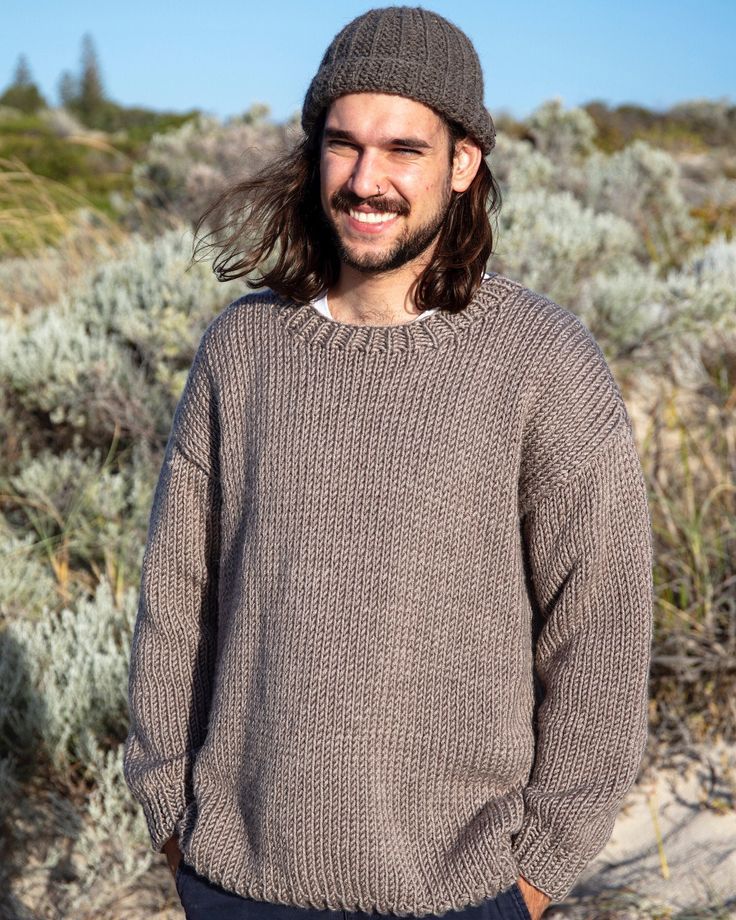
x: 338, y: 134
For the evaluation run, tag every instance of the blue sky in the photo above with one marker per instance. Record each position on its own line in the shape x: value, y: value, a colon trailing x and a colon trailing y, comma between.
x: 223, y: 56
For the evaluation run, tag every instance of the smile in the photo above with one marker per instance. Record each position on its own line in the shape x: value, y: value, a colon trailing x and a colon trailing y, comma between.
x: 372, y: 217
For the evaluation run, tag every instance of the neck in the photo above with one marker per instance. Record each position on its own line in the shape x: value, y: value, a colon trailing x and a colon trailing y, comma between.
x: 380, y: 299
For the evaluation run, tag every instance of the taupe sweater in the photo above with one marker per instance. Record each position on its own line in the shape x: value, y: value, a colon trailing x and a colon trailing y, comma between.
x: 394, y: 631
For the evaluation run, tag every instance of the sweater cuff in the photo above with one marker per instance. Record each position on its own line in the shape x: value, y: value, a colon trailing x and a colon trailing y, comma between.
x: 163, y: 813
x: 544, y: 864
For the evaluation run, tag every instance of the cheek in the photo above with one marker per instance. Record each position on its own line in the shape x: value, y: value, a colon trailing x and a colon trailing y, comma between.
x: 423, y: 192
x: 421, y: 185
x: 415, y: 189
x: 334, y: 174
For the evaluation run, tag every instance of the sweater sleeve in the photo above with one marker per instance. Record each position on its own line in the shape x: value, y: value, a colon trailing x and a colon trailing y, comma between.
x: 173, y: 644
x: 588, y: 551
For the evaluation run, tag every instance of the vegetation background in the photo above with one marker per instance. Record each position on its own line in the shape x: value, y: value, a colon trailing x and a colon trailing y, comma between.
x: 624, y: 215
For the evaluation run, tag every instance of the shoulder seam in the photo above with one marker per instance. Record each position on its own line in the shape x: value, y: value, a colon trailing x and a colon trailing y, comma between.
x: 192, y: 461
x: 623, y: 431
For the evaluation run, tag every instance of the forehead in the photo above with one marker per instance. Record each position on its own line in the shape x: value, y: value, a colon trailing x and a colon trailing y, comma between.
x: 372, y: 117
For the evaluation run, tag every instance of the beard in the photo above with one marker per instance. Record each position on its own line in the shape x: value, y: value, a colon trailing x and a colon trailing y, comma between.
x: 409, y: 245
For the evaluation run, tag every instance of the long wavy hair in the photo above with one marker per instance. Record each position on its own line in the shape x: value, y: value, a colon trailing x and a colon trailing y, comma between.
x: 273, y: 223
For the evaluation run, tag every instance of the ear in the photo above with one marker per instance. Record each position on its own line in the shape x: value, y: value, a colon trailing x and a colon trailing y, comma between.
x: 465, y: 163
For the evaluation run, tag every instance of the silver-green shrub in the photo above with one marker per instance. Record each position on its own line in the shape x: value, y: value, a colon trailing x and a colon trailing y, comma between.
x: 640, y: 183
x: 64, y: 677
x: 664, y: 322
x: 519, y: 167
x: 154, y: 302
x: 714, y: 117
x: 75, y: 375
x: 184, y: 169
x: 104, y: 846
x: 85, y: 853
x: 63, y: 711
x: 561, y: 134
x: 85, y: 516
x: 551, y: 242
x: 643, y: 185
x: 26, y: 580
x: 111, y: 357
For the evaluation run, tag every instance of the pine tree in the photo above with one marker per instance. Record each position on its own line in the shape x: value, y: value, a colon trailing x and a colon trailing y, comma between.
x: 22, y: 72
x: 68, y: 90
x: 22, y: 93
x: 91, y: 93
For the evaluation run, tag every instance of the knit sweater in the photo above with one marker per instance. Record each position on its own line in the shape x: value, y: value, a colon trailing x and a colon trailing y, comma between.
x: 394, y: 630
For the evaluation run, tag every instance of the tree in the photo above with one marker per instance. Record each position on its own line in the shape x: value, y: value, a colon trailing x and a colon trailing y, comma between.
x: 91, y: 92
x: 22, y: 72
x: 84, y: 95
x: 22, y: 93
x: 68, y: 90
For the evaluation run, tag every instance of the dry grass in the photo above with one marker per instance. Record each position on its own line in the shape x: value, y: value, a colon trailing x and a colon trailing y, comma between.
x: 49, y: 235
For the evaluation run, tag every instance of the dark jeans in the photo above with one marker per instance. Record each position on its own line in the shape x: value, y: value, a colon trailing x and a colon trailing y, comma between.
x: 203, y: 900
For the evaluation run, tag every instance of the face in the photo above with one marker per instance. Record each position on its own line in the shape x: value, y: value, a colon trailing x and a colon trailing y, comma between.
x: 375, y: 140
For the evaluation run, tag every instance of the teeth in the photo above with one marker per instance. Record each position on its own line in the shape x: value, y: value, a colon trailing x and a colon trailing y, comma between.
x: 371, y: 218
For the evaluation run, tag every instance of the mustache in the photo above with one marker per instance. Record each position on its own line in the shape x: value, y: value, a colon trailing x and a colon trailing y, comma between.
x: 344, y: 200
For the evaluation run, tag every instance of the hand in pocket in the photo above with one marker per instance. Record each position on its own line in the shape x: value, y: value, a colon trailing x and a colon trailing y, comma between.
x: 173, y: 853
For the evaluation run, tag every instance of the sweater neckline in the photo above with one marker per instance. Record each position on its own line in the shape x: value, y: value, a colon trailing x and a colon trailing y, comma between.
x: 442, y: 326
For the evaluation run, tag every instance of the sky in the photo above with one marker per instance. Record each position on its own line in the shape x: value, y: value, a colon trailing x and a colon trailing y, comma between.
x: 224, y: 56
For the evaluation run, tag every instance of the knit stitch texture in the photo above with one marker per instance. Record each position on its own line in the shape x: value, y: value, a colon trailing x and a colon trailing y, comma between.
x: 393, y: 640
x: 406, y: 51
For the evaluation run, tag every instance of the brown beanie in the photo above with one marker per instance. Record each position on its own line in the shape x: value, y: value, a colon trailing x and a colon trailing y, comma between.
x: 405, y: 51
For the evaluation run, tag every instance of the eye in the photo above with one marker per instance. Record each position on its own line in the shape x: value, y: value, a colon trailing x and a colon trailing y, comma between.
x: 409, y: 150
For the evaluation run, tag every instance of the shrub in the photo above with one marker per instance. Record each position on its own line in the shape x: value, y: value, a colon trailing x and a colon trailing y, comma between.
x: 519, y: 167
x: 109, y: 359
x: 642, y: 185
x: 65, y: 681
x: 86, y: 518
x: 561, y: 134
x: 26, y: 583
x: 662, y: 322
x: 184, y: 169
x: 550, y: 242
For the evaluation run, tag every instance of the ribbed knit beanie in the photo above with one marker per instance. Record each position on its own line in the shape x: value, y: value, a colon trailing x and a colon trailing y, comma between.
x: 405, y: 51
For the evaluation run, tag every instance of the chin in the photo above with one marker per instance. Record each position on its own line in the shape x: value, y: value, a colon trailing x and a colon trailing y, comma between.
x: 362, y: 260
x: 369, y: 257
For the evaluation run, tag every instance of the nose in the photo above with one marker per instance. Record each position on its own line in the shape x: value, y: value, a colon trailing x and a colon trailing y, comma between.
x: 367, y: 176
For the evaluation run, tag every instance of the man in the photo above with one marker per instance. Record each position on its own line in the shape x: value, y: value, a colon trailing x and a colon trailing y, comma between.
x: 393, y: 641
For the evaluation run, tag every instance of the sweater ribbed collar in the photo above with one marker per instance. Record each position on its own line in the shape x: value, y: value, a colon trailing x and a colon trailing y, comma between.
x: 443, y: 326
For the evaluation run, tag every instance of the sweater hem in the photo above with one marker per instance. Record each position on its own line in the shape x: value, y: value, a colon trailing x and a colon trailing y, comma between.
x: 294, y: 896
